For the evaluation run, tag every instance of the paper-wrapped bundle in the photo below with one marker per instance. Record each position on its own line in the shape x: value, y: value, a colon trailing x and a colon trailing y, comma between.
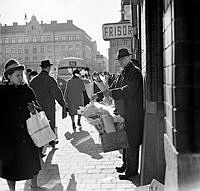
x: 108, y: 123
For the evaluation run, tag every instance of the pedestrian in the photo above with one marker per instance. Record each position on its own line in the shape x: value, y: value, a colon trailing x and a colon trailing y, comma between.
x: 47, y: 92
x: 89, y: 86
x: 74, y: 91
x: 28, y: 72
x: 19, y: 157
x: 128, y: 96
x: 33, y: 74
x: 98, y: 86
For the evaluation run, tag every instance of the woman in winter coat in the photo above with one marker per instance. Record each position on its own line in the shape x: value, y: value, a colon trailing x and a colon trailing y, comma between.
x: 19, y: 157
x: 74, y: 96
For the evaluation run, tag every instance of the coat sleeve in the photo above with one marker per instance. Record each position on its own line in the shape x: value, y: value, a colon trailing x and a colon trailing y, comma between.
x: 56, y: 92
x: 134, y: 82
x: 33, y: 98
x: 66, y: 91
x: 82, y: 85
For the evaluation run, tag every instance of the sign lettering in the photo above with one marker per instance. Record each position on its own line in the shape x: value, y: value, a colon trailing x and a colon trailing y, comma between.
x: 117, y: 31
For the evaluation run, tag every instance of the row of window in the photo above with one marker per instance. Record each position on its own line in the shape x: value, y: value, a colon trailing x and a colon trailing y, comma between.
x: 36, y: 59
x: 47, y: 38
x: 41, y: 49
x: 28, y: 59
x: 116, y: 43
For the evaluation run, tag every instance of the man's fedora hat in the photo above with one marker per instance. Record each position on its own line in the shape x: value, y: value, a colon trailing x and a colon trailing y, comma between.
x: 122, y: 53
x: 45, y: 63
x: 12, y: 65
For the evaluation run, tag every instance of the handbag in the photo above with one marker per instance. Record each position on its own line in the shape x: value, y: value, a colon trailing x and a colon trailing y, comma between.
x: 39, y: 129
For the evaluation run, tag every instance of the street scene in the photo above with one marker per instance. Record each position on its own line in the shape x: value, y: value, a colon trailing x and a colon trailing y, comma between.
x: 78, y: 163
x: 99, y: 95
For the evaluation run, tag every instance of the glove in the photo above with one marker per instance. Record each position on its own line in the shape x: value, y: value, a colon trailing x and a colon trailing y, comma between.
x: 31, y: 107
x: 64, y: 111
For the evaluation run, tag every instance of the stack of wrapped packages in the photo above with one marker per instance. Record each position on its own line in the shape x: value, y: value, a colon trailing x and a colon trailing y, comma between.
x: 110, y: 126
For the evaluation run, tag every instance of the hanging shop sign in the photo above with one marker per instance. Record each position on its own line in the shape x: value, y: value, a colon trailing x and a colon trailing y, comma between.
x: 117, y: 30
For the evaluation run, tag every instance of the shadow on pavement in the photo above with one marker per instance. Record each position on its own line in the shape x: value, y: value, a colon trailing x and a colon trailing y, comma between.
x: 49, y: 177
x: 49, y: 157
x: 84, y: 143
x: 72, y: 184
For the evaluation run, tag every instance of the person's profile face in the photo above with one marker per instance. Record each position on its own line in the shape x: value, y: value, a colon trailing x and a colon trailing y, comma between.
x: 123, y: 61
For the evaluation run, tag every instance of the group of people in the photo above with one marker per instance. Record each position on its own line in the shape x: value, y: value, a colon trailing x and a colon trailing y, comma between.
x: 19, y: 157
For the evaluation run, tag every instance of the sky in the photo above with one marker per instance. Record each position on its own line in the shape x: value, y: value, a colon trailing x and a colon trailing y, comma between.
x: 88, y: 15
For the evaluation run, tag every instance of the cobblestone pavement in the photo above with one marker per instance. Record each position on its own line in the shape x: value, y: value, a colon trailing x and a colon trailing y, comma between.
x: 78, y: 163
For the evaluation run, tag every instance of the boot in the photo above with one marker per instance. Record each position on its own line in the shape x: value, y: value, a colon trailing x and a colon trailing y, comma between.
x: 121, y: 169
x: 74, y: 126
x: 79, y: 122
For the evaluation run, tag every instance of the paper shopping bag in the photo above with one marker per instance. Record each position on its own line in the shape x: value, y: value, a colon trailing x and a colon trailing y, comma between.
x: 39, y: 129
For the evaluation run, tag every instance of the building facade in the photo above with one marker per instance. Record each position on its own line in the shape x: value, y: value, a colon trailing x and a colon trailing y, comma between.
x: 34, y: 41
x: 101, y: 63
x: 170, y: 60
x: 119, y: 35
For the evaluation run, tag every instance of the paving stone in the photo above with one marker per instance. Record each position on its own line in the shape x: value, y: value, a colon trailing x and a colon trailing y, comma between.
x: 80, y: 167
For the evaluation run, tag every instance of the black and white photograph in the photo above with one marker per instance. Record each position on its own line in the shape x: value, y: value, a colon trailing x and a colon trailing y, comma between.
x: 99, y: 95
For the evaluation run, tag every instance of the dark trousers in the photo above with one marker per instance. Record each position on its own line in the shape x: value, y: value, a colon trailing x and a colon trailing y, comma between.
x: 130, y: 159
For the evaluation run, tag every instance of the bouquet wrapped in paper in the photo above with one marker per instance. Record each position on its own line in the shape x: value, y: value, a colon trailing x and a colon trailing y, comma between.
x: 110, y: 126
x: 97, y: 116
x: 101, y: 117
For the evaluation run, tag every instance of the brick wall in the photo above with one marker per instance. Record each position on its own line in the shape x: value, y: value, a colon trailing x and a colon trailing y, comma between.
x: 178, y: 74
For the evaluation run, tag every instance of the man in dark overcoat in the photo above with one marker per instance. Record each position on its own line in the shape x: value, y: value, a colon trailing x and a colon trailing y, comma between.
x: 129, y: 100
x: 128, y: 96
x: 47, y: 92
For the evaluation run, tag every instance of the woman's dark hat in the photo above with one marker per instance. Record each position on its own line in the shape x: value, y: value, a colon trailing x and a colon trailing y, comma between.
x: 45, y: 63
x: 34, y: 73
x: 76, y: 72
x: 122, y: 53
x: 12, y: 65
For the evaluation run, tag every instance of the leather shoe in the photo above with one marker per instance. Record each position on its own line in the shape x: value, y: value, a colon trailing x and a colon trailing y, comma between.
x: 127, y: 176
x: 121, y: 169
x: 79, y: 123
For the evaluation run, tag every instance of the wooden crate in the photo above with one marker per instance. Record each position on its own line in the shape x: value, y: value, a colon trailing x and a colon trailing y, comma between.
x: 114, y: 141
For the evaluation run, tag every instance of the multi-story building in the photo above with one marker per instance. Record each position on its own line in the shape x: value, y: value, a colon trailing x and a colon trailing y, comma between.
x: 119, y: 36
x: 34, y: 41
x: 101, y: 63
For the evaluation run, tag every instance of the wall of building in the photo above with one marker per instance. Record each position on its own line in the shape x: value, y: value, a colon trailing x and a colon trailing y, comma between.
x: 34, y: 41
x: 181, y: 66
x: 152, y: 68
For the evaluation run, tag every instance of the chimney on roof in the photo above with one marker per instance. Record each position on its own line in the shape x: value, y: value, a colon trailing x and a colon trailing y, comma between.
x: 15, y: 23
x: 69, y: 21
x: 54, y: 22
